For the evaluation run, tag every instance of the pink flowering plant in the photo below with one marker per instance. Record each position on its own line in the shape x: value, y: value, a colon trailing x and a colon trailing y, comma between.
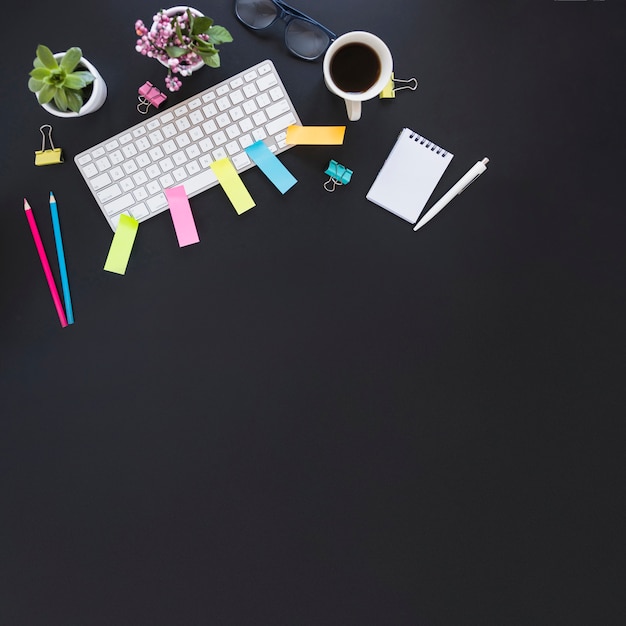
x: 180, y: 42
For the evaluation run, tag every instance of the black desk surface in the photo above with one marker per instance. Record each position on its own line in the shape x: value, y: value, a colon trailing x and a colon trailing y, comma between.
x: 316, y: 415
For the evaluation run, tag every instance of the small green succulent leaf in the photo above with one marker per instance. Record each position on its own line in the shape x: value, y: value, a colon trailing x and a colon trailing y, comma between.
x: 71, y: 59
x: 74, y: 81
x: 45, y: 56
x: 45, y: 94
x: 39, y: 73
x: 74, y: 100
x: 35, y: 85
x: 85, y: 76
x: 60, y: 99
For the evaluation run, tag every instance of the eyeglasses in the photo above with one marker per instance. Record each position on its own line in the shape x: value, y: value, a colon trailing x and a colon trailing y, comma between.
x: 305, y: 37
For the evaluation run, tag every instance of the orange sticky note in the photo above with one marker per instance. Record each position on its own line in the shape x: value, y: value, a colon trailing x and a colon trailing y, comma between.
x: 315, y: 135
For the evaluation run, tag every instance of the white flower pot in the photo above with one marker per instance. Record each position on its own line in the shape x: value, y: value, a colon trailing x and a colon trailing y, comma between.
x: 96, y: 99
x: 178, y: 11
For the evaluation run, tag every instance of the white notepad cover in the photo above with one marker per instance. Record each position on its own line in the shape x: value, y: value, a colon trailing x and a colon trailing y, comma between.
x: 409, y: 175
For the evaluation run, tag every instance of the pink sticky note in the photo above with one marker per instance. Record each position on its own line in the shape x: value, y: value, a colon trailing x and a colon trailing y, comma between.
x: 182, y: 216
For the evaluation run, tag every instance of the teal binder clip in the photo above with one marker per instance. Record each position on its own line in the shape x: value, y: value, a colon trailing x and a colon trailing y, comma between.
x: 339, y: 175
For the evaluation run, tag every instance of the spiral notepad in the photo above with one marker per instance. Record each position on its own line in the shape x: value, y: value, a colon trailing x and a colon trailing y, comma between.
x: 409, y: 175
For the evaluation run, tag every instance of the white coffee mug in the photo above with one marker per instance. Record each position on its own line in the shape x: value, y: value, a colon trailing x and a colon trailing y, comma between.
x: 357, y: 67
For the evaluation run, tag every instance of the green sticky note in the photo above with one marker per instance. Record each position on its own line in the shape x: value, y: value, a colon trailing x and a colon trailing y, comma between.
x: 122, y: 244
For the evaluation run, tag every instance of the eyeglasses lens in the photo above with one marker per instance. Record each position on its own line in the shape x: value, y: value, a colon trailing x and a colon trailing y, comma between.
x: 305, y: 39
x: 256, y: 13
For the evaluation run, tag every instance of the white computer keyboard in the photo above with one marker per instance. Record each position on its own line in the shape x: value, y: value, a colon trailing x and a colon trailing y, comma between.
x: 128, y: 172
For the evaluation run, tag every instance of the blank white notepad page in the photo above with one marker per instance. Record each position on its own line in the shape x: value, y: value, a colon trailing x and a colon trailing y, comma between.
x: 409, y: 175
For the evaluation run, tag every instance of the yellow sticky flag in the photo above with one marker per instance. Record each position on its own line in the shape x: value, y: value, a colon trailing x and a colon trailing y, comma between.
x: 232, y: 184
x: 315, y: 135
x: 122, y: 244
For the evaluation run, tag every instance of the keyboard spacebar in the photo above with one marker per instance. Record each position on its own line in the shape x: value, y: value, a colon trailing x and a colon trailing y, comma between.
x: 199, y: 182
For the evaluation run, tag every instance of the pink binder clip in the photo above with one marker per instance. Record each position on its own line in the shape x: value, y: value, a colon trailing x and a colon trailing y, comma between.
x: 149, y: 96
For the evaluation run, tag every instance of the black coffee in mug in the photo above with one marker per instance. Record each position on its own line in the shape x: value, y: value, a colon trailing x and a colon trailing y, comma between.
x: 355, y: 67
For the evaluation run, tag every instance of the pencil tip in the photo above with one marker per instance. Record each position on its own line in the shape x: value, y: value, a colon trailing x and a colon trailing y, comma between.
x: 26, y: 205
x: 52, y: 197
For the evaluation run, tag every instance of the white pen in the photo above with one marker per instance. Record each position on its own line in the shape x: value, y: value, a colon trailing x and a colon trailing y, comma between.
x: 457, y: 189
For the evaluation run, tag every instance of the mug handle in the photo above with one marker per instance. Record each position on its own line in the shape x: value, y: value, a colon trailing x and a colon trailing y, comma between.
x: 353, y: 108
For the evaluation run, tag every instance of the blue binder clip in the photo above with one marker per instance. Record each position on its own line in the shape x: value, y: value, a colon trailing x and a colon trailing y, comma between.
x: 339, y: 175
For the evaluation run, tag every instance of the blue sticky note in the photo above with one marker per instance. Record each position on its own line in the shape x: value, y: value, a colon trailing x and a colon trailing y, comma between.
x: 271, y: 166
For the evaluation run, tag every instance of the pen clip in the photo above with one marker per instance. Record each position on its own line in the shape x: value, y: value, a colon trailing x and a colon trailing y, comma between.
x: 483, y: 162
x: 468, y: 184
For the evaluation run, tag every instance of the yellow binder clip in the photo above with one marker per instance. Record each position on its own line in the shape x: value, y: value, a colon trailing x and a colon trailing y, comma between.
x: 390, y: 88
x: 51, y: 155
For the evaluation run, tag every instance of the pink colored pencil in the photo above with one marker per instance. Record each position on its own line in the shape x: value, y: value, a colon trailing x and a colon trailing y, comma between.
x: 44, y: 263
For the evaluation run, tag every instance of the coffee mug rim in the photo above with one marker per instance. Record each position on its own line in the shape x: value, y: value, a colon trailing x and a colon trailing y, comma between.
x: 377, y: 87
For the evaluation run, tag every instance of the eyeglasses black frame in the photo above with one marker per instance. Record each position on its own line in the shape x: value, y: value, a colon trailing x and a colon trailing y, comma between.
x: 288, y: 14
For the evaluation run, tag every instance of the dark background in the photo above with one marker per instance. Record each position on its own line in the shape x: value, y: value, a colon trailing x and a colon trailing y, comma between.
x: 316, y: 415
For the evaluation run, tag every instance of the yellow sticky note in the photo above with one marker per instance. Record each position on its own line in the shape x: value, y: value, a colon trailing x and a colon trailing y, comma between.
x: 315, y: 135
x: 232, y: 185
x: 122, y: 244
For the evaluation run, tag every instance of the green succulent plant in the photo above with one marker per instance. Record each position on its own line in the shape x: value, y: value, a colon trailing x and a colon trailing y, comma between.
x: 59, y: 81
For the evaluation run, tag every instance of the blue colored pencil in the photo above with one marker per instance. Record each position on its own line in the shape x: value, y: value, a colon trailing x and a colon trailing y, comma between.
x: 61, y: 256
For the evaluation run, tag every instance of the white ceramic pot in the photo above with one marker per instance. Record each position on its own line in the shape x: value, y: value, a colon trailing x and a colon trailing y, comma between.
x: 96, y: 99
x: 178, y: 11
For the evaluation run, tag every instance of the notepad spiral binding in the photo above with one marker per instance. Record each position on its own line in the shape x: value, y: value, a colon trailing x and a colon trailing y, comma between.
x: 428, y: 144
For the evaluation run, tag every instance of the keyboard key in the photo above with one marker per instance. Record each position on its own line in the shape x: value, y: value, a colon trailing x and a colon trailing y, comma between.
x: 240, y: 160
x: 90, y: 170
x: 277, y: 109
x: 156, y: 203
x: 280, y: 123
x: 100, y: 181
x: 199, y: 182
x: 118, y: 205
x: 265, y: 82
x: 140, y: 210
x: 153, y: 187
x: 116, y: 173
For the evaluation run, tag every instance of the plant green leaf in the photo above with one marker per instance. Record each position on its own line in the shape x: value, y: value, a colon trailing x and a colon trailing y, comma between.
x: 60, y: 99
x: 34, y: 85
x: 205, y: 47
x: 86, y: 76
x: 175, y: 51
x: 74, y: 100
x: 212, y: 60
x: 74, y: 81
x: 201, y: 25
x: 44, y: 54
x: 46, y: 94
x: 39, y: 73
x: 71, y: 59
x: 219, y: 34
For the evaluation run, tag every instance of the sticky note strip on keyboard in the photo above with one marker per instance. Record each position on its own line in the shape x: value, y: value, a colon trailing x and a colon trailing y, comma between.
x: 122, y: 244
x: 315, y: 135
x: 271, y: 166
x: 182, y: 217
x: 232, y: 185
